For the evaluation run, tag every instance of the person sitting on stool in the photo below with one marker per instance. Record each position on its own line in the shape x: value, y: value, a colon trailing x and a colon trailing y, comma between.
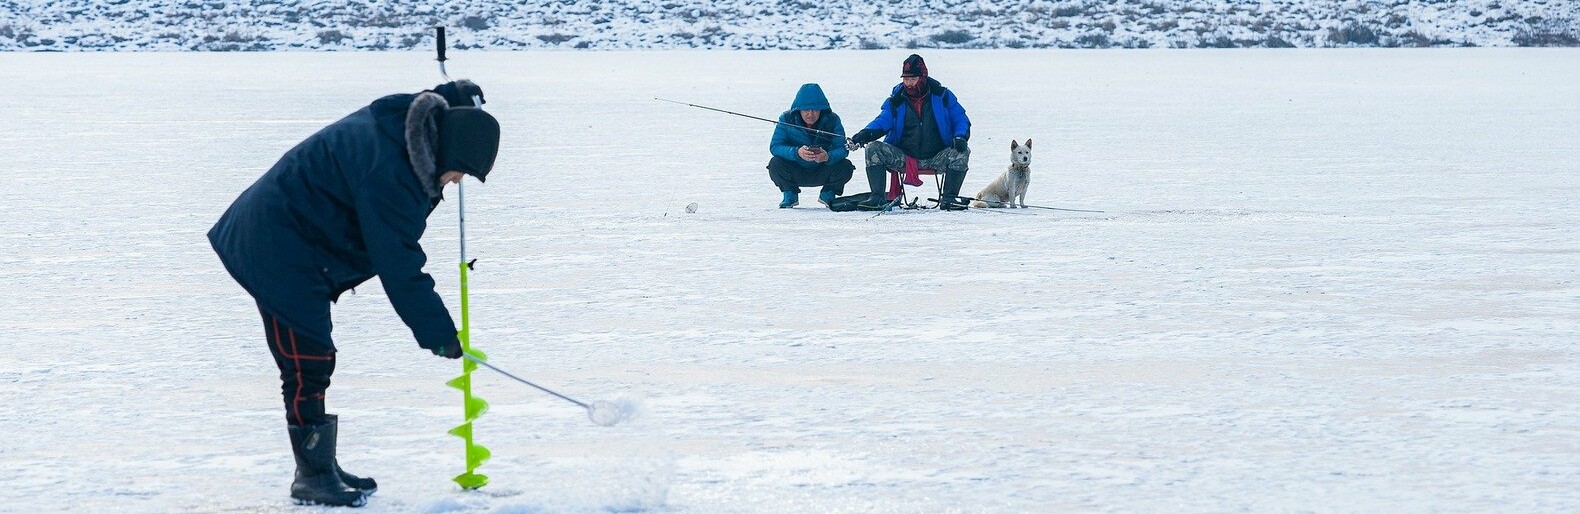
x: 922, y: 120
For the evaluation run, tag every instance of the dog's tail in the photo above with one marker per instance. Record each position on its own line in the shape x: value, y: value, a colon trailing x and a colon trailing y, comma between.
x: 986, y: 199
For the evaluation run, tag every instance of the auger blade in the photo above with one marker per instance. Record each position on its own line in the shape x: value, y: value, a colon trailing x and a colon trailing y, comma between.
x: 470, y: 480
x: 476, y: 455
x: 475, y: 407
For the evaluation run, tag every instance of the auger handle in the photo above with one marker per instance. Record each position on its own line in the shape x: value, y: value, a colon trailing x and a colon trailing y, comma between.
x: 439, y: 43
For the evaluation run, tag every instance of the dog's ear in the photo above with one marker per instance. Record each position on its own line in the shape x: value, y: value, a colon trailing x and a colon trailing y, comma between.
x: 1013, y: 145
x: 1028, y: 143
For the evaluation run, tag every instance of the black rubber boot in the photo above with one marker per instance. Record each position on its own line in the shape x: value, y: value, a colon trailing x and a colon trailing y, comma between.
x: 951, y: 200
x: 317, y: 482
x: 366, y: 485
x: 875, y: 177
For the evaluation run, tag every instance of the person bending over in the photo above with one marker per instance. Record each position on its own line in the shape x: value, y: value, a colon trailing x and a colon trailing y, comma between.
x: 345, y: 205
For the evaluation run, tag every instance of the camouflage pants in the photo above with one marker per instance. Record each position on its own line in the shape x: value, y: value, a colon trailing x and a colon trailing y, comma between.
x: 890, y: 157
x: 882, y: 157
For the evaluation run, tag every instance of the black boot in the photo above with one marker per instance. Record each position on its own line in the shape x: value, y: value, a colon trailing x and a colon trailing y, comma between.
x: 366, y: 485
x: 879, y: 195
x: 952, y: 200
x: 317, y: 482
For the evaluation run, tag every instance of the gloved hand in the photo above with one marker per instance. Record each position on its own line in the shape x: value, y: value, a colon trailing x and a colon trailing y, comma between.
x: 960, y: 144
x: 863, y: 137
x: 459, y: 93
x: 449, y: 351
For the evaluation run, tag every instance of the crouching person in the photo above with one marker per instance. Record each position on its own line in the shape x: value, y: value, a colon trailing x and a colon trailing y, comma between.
x: 922, y: 120
x: 809, y: 149
x: 347, y: 204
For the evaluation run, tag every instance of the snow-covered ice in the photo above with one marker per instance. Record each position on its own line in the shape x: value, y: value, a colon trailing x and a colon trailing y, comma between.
x: 1328, y: 280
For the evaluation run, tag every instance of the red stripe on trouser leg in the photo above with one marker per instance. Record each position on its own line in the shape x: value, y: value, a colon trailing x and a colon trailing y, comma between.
x: 294, y: 416
x: 296, y: 402
x: 306, y: 366
x: 294, y: 353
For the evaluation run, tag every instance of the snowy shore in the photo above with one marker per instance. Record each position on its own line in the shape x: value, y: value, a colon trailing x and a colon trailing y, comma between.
x: 254, y: 25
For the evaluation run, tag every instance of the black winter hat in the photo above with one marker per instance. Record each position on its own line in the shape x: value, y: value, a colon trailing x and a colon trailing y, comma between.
x: 459, y: 93
x: 914, y: 66
x: 468, y: 141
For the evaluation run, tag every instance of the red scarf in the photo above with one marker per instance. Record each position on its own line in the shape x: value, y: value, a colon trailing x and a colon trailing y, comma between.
x: 917, y: 94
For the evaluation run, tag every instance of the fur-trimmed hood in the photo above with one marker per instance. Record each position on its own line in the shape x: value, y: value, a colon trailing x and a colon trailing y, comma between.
x: 422, y: 140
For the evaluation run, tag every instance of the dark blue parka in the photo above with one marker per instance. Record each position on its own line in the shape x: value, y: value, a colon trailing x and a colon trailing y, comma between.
x: 345, y: 205
x: 787, y: 138
x: 951, y: 117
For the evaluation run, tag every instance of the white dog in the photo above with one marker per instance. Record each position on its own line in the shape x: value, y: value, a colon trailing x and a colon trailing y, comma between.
x: 1009, y: 187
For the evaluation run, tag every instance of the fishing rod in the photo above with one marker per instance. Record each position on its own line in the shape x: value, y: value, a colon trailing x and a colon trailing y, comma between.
x: 968, y: 200
x: 776, y: 122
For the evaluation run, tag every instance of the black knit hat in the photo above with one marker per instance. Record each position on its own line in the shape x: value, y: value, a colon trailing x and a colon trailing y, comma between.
x: 914, y: 67
x: 468, y: 141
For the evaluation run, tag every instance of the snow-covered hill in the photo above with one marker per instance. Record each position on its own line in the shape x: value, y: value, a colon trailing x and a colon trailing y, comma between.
x: 615, y: 24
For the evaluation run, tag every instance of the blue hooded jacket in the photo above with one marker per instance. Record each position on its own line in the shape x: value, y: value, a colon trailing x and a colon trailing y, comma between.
x: 951, y: 117
x: 347, y: 204
x: 788, y: 136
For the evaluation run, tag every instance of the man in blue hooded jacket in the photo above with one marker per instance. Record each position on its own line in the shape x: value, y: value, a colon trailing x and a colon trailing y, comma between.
x: 922, y: 120
x: 809, y: 149
x: 345, y: 205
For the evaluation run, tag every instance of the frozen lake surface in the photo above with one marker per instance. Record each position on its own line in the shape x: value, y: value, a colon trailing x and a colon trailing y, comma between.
x: 1333, y: 280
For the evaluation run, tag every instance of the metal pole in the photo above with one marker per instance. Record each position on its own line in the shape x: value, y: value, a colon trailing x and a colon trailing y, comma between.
x: 525, y: 381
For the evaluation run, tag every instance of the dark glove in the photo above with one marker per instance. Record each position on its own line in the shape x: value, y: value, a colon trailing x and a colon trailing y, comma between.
x: 449, y: 351
x: 863, y: 137
x: 460, y: 93
x: 960, y: 145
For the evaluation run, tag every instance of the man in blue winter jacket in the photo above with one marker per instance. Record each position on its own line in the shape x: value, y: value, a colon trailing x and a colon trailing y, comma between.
x: 347, y: 204
x: 809, y: 149
x: 922, y: 120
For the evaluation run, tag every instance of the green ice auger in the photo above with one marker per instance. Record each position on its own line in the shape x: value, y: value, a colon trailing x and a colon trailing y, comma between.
x: 471, y: 405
